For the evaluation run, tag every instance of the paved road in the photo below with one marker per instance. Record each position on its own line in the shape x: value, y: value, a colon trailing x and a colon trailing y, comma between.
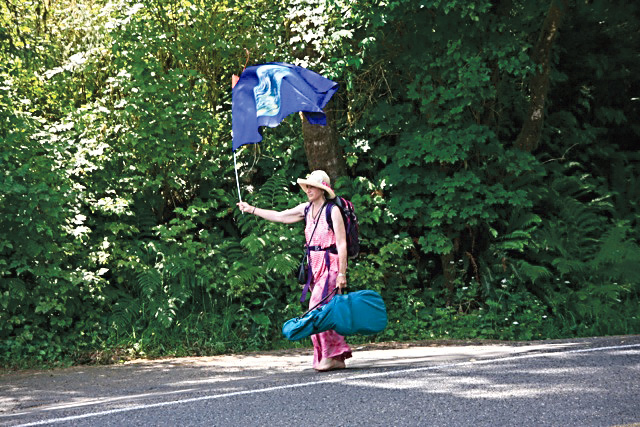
x: 586, y: 382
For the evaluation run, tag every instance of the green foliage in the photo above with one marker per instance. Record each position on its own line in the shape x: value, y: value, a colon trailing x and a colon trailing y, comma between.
x: 48, y: 297
x: 119, y: 235
x: 592, y: 257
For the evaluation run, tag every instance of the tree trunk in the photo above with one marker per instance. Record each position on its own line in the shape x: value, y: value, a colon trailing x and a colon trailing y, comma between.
x: 322, y: 147
x: 449, y: 273
x: 529, y: 136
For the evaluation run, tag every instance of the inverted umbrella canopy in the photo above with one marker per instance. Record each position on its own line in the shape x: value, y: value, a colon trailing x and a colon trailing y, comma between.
x: 361, y: 312
x: 265, y: 94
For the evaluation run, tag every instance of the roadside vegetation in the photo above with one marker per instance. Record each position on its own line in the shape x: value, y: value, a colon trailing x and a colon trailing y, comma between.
x: 490, y: 149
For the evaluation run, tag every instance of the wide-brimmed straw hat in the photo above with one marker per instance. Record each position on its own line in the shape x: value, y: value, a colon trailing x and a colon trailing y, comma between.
x: 318, y: 179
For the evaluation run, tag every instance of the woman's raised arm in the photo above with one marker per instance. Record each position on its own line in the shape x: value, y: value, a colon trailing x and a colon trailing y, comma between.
x: 288, y: 216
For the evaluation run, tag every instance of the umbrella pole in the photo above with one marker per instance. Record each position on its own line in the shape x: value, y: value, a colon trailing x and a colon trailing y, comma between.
x: 235, y: 168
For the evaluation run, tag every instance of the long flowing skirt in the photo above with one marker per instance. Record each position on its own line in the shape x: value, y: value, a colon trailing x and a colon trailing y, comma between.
x: 329, y: 343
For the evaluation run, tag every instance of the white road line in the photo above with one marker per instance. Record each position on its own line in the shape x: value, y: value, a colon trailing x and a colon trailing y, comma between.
x: 327, y: 381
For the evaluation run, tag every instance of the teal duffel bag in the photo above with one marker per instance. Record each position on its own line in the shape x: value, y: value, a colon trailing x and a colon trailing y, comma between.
x: 361, y: 312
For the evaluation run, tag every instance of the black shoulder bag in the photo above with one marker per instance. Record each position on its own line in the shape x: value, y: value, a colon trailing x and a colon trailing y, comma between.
x: 303, y: 270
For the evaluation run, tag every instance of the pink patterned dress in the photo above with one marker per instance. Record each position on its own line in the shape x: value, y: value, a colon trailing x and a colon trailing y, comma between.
x: 328, y: 343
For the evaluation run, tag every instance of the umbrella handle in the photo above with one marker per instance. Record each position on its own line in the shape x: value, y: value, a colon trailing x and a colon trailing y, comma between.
x: 334, y: 291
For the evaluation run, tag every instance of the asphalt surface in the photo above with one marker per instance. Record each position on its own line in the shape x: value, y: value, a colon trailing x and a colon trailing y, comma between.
x: 585, y: 382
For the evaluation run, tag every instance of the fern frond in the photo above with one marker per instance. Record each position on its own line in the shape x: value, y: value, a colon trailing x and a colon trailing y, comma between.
x: 570, y: 266
x: 521, y: 221
x: 177, y: 267
x: 281, y: 263
x: 124, y: 312
x: 166, y: 313
x: 254, y: 244
x: 619, y: 255
x: 275, y: 192
x: 150, y: 282
x: 519, y: 229
x: 231, y: 249
x: 532, y: 272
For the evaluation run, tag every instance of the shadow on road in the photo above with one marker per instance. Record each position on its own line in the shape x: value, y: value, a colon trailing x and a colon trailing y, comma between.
x: 458, y: 371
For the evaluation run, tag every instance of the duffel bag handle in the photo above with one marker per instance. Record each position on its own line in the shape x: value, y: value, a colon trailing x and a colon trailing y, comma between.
x: 333, y: 292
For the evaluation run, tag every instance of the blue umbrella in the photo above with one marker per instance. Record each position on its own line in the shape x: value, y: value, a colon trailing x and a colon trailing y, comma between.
x: 263, y: 95
x: 361, y: 312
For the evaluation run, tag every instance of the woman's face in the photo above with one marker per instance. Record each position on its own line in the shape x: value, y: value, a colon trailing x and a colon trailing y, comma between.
x: 314, y: 193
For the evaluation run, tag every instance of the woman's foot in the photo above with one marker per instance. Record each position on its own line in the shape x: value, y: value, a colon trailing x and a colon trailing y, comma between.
x: 330, y: 364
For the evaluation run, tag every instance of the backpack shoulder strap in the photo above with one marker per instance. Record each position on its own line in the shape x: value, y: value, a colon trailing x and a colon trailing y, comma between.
x: 306, y: 211
x: 330, y: 206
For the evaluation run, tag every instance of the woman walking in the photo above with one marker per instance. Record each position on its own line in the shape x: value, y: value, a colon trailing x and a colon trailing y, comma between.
x: 327, y: 258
